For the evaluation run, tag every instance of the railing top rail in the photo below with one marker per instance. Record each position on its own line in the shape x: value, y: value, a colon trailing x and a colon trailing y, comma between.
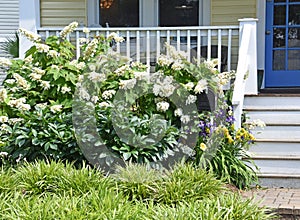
x: 145, y: 28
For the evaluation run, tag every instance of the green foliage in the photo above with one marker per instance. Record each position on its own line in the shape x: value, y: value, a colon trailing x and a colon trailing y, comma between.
x: 11, y: 46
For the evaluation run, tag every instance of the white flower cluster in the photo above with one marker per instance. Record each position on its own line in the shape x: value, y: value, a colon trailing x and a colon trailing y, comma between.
x: 3, y: 95
x: 225, y: 77
x: 41, y: 106
x: 138, y: 65
x: 115, y: 37
x: 162, y: 106
x: 127, y: 84
x: 256, y: 123
x: 178, y: 112
x: 90, y: 49
x: 30, y: 35
x: 83, y: 94
x: 34, y: 76
x: 164, y: 60
x: 68, y: 29
x: 65, y: 89
x: 21, y: 81
x: 173, y: 58
x: 3, y: 154
x: 175, y: 54
x: 108, y: 94
x: 211, y: 64
x: 162, y: 85
x: 189, y: 86
x: 28, y: 59
x: 55, y: 67
x: 10, y: 81
x: 141, y: 75
x: 96, y: 77
x: 56, y: 108
x: 37, y: 74
x: 121, y: 70
x: 4, y: 62
x: 19, y: 104
x: 13, y: 121
x: 94, y: 99
x: 191, y: 99
x: 3, y: 119
x: 38, y: 71
x: 53, y: 53
x: 177, y: 65
x: 104, y: 105
x: 80, y: 65
x: 185, y: 119
x: 201, y: 86
x: 86, y: 30
x: 45, y: 84
x: 42, y: 48
x: 83, y: 40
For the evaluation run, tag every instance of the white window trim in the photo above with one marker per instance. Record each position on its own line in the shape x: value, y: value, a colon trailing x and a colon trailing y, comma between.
x: 93, y: 13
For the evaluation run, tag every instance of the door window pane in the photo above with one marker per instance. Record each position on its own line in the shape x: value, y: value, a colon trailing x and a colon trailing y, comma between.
x: 279, y: 15
x: 294, y: 37
x: 179, y: 13
x: 294, y: 59
x: 119, y: 13
x: 294, y: 14
x: 278, y: 37
x: 279, y: 60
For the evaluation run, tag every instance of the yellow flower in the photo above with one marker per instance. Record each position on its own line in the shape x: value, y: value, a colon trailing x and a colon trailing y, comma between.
x: 203, y: 146
x: 252, y: 138
x: 230, y: 140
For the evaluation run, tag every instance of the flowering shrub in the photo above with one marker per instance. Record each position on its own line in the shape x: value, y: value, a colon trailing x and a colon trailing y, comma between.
x: 118, y: 106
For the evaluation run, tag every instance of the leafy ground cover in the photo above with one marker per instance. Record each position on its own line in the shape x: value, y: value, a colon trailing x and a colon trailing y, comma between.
x: 55, y: 190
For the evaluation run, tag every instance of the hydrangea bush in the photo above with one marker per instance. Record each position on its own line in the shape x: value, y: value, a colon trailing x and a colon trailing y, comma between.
x: 137, y: 115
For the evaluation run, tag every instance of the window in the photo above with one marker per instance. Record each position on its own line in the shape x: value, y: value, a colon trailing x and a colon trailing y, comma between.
x: 119, y: 13
x: 179, y: 13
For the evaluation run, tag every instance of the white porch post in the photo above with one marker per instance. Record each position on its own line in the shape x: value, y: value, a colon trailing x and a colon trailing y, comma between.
x: 29, y: 20
x: 251, y: 82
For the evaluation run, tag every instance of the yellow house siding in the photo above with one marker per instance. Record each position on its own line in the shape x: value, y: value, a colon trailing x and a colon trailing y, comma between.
x: 59, y: 13
x: 228, y: 12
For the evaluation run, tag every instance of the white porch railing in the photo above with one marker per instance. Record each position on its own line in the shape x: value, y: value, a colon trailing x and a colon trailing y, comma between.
x: 145, y: 44
x: 246, y: 74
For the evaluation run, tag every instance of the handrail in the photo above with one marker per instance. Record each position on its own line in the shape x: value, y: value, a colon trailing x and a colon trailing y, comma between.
x: 246, y: 74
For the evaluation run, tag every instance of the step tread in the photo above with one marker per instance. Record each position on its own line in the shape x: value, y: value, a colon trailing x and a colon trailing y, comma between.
x: 274, y: 157
x: 282, y: 140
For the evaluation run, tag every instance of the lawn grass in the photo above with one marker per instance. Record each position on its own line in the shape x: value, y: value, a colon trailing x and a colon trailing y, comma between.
x: 53, y: 190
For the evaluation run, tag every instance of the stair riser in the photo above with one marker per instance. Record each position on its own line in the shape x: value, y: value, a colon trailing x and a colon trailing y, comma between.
x: 271, y: 102
x: 280, y: 182
x: 277, y: 132
x: 275, y: 117
x: 275, y: 148
x: 278, y: 166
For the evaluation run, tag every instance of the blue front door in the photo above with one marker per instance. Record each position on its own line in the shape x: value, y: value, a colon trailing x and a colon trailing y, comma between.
x: 282, y: 43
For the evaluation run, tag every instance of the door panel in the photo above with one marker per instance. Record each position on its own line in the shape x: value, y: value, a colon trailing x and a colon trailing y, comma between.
x: 283, y: 43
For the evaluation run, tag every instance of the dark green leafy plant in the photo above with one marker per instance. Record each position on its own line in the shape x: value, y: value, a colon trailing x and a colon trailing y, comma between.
x: 11, y: 46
